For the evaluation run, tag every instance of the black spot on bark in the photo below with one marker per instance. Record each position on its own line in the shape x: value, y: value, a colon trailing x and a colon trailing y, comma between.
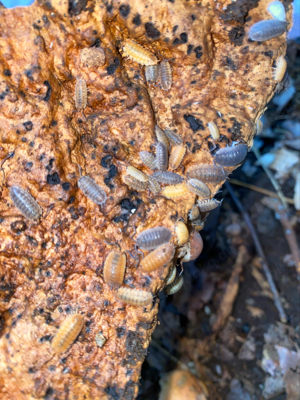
x: 230, y: 63
x: 53, y: 179
x: 236, y: 129
x: 172, y: 1
x: 245, y: 50
x: 76, y: 6
x: 268, y: 53
x: 134, y: 345
x: 175, y: 27
x: 127, y: 204
x: 176, y: 41
x: 121, y: 332
x: 137, y: 20
x: 112, y: 392
x: 106, y: 161
x: 236, y: 35
x: 194, y: 123
x: 151, y: 31
x: 28, y: 125
x: 49, y: 90
x: 124, y: 10
x: 6, y: 72
x: 49, y: 393
x: 190, y: 49
x: 184, y: 37
x: 112, y: 171
x: 111, y: 69
x: 18, y: 226
x: 32, y: 240
x: 238, y: 11
x: 66, y: 186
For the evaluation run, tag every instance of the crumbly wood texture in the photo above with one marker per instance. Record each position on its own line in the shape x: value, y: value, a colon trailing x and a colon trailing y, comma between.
x: 51, y: 268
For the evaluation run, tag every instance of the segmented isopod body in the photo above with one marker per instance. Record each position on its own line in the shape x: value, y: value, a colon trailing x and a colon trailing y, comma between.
x: 176, y: 156
x: 165, y: 75
x: 268, y: 29
x: 277, y: 10
x: 134, y: 297
x: 153, y: 185
x: 171, y: 276
x: 208, y: 204
x: 231, y: 156
x: 25, y: 203
x: 158, y: 258
x: 194, y: 247
x: 138, y: 53
x: 214, y: 131
x: 148, y: 159
x: 161, y: 156
x: 280, y: 69
x: 194, y: 213
x: 175, y: 286
x: 176, y: 191
x: 198, y: 187
x: 114, y: 268
x: 207, y: 173
x: 168, y: 177
x: 100, y: 339
x: 173, y: 137
x: 134, y: 183
x: 80, y: 94
x: 92, y: 190
x: 92, y: 57
x: 198, y: 224
x: 67, y: 333
x: 154, y: 237
x: 161, y: 137
x: 137, y: 174
x: 151, y: 73
x: 182, y: 233
x: 259, y: 127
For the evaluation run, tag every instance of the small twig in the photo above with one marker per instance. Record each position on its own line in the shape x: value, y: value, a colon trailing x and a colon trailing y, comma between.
x: 260, y: 190
x: 261, y: 254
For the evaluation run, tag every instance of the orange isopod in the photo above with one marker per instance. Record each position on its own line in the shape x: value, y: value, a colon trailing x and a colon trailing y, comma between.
x: 158, y: 257
x: 182, y: 233
x: 177, y: 154
x: 138, y: 53
x: 67, y: 333
x: 134, y: 297
x: 114, y: 268
x: 176, y: 191
x: 279, y: 70
x: 80, y: 94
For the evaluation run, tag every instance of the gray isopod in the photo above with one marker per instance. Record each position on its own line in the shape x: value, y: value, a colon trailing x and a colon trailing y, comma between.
x: 154, y: 237
x: 208, y: 204
x: 207, y: 173
x: 267, y: 29
x: 153, y: 185
x: 161, y: 137
x: 25, y: 203
x: 151, y: 73
x: 173, y: 137
x: 162, y: 156
x: 165, y: 74
x: 231, y: 156
x: 198, y: 187
x: 148, y: 159
x: 92, y: 190
x: 167, y: 177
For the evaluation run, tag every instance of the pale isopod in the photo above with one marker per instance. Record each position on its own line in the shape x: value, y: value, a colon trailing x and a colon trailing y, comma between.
x: 138, y: 53
x: 176, y: 156
x: 137, y: 174
x: 173, y: 137
x: 134, y: 183
x: 165, y: 75
x: 194, y: 213
x: 67, y: 333
x: 231, y: 156
x: 171, y: 276
x: 92, y: 190
x: 153, y: 185
x: 92, y: 57
x: 161, y: 156
x: 176, y: 191
x: 194, y: 247
x: 207, y: 173
x: 100, y: 339
x: 268, y: 29
x: 151, y: 73
x: 214, y: 131
x: 148, y: 159
x: 280, y: 69
x: 208, y: 204
x: 168, y: 177
x: 134, y: 297
x: 277, y: 10
x: 198, y: 187
x: 158, y: 257
x: 154, y: 237
x: 80, y: 94
x: 114, y: 268
x: 182, y: 233
x: 161, y: 137
x: 175, y: 286
x: 259, y: 127
x: 25, y: 203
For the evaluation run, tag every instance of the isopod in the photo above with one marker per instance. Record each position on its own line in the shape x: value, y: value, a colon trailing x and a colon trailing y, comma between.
x: 153, y: 185
x: 25, y: 203
x: 175, y: 191
x: 154, y: 237
x: 207, y: 173
x: 231, y: 156
x: 161, y: 156
x: 134, y: 183
x: 134, y: 297
x: 80, y: 94
x: 182, y: 233
x: 92, y: 190
x: 280, y: 69
x: 194, y: 213
x: 268, y: 29
x: 148, y: 159
x: 168, y: 177
x: 137, y: 174
x: 277, y: 10
x: 165, y: 75
x: 208, y: 204
x: 114, y: 268
x: 198, y: 224
x: 214, y: 131
x: 92, y: 57
x: 198, y: 187
x: 161, y: 137
x: 284, y: 84
x: 176, y: 156
x: 158, y: 257
x: 173, y: 137
x: 151, y: 73
x: 175, y: 286
x: 138, y: 53
x: 259, y: 127
x: 100, y: 339
x: 67, y: 333
x: 194, y: 247
x: 171, y: 276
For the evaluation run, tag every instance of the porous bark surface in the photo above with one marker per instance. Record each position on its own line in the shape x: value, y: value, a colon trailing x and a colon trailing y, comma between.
x: 51, y: 268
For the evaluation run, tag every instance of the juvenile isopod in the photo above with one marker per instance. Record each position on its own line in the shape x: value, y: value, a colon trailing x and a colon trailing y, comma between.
x: 176, y: 156
x: 268, y: 29
x: 137, y: 174
x: 231, y: 156
x: 151, y: 73
x: 194, y: 247
x: 154, y: 237
x: 165, y: 75
x: 158, y: 257
x: 259, y: 127
x: 214, y: 131
x: 153, y: 185
x: 198, y: 187
x: 280, y: 69
x: 148, y: 159
x: 80, y: 94
x: 134, y: 183
x: 168, y: 177
x: 67, y: 333
x: 208, y: 204
x: 175, y: 191
x: 134, y: 297
x: 114, y: 268
x: 138, y: 53
x: 100, y: 339
x: 161, y: 137
x: 194, y: 213
x: 92, y: 57
x: 171, y: 276
x: 92, y: 190
x: 161, y: 156
x: 207, y: 173
x: 25, y: 203
x: 182, y: 233
x: 175, y: 286
x: 173, y: 137
x: 277, y: 10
